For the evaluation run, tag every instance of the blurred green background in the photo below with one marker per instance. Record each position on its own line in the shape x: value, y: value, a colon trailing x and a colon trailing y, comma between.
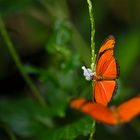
x: 52, y: 39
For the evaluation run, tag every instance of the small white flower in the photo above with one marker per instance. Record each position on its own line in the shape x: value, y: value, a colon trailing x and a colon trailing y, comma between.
x: 88, y: 73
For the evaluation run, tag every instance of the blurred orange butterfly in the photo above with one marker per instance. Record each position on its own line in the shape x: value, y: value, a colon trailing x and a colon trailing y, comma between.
x: 107, y: 71
x: 112, y: 116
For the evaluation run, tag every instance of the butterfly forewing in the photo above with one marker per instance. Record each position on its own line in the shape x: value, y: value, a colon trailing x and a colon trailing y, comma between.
x: 106, y: 66
x: 108, y: 44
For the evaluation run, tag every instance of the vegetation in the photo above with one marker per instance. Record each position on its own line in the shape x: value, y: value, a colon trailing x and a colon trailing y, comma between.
x: 43, y: 44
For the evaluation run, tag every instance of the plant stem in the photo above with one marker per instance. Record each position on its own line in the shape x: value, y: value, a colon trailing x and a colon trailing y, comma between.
x: 18, y: 63
x: 92, y: 131
x: 93, y: 55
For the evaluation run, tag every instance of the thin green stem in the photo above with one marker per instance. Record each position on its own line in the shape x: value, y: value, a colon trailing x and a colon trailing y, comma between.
x: 18, y: 63
x: 92, y: 131
x: 93, y: 57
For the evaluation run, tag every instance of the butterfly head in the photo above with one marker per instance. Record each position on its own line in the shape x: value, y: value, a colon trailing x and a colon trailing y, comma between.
x: 87, y: 72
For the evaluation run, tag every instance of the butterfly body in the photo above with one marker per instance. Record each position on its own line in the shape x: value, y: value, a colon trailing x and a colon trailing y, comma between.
x: 106, y: 73
x: 101, y: 78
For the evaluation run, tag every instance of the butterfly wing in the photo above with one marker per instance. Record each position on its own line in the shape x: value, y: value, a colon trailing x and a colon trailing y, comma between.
x: 107, y: 66
x: 108, y: 44
x: 103, y: 91
x: 129, y: 109
x: 96, y: 111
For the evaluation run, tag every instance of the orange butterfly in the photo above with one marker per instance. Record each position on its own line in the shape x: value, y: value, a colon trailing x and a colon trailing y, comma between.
x: 107, y: 71
x: 112, y: 116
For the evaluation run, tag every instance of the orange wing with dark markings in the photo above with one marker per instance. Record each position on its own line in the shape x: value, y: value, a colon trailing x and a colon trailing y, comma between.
x: 112, y: 116
x: 107, y: 45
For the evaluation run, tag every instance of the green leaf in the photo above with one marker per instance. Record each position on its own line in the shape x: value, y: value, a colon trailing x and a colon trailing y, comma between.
x: 70, y: 131
x: 60, y: 38
x: 26, y: 117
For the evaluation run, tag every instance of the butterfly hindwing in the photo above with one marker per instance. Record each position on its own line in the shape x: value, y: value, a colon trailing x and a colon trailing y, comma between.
x: 103, y: 91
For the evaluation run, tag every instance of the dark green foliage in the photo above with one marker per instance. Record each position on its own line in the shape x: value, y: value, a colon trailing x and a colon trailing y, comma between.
x: 14, y: 6
x: 26, y: 117
x: 52, y: 39
x: 70, y: 131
